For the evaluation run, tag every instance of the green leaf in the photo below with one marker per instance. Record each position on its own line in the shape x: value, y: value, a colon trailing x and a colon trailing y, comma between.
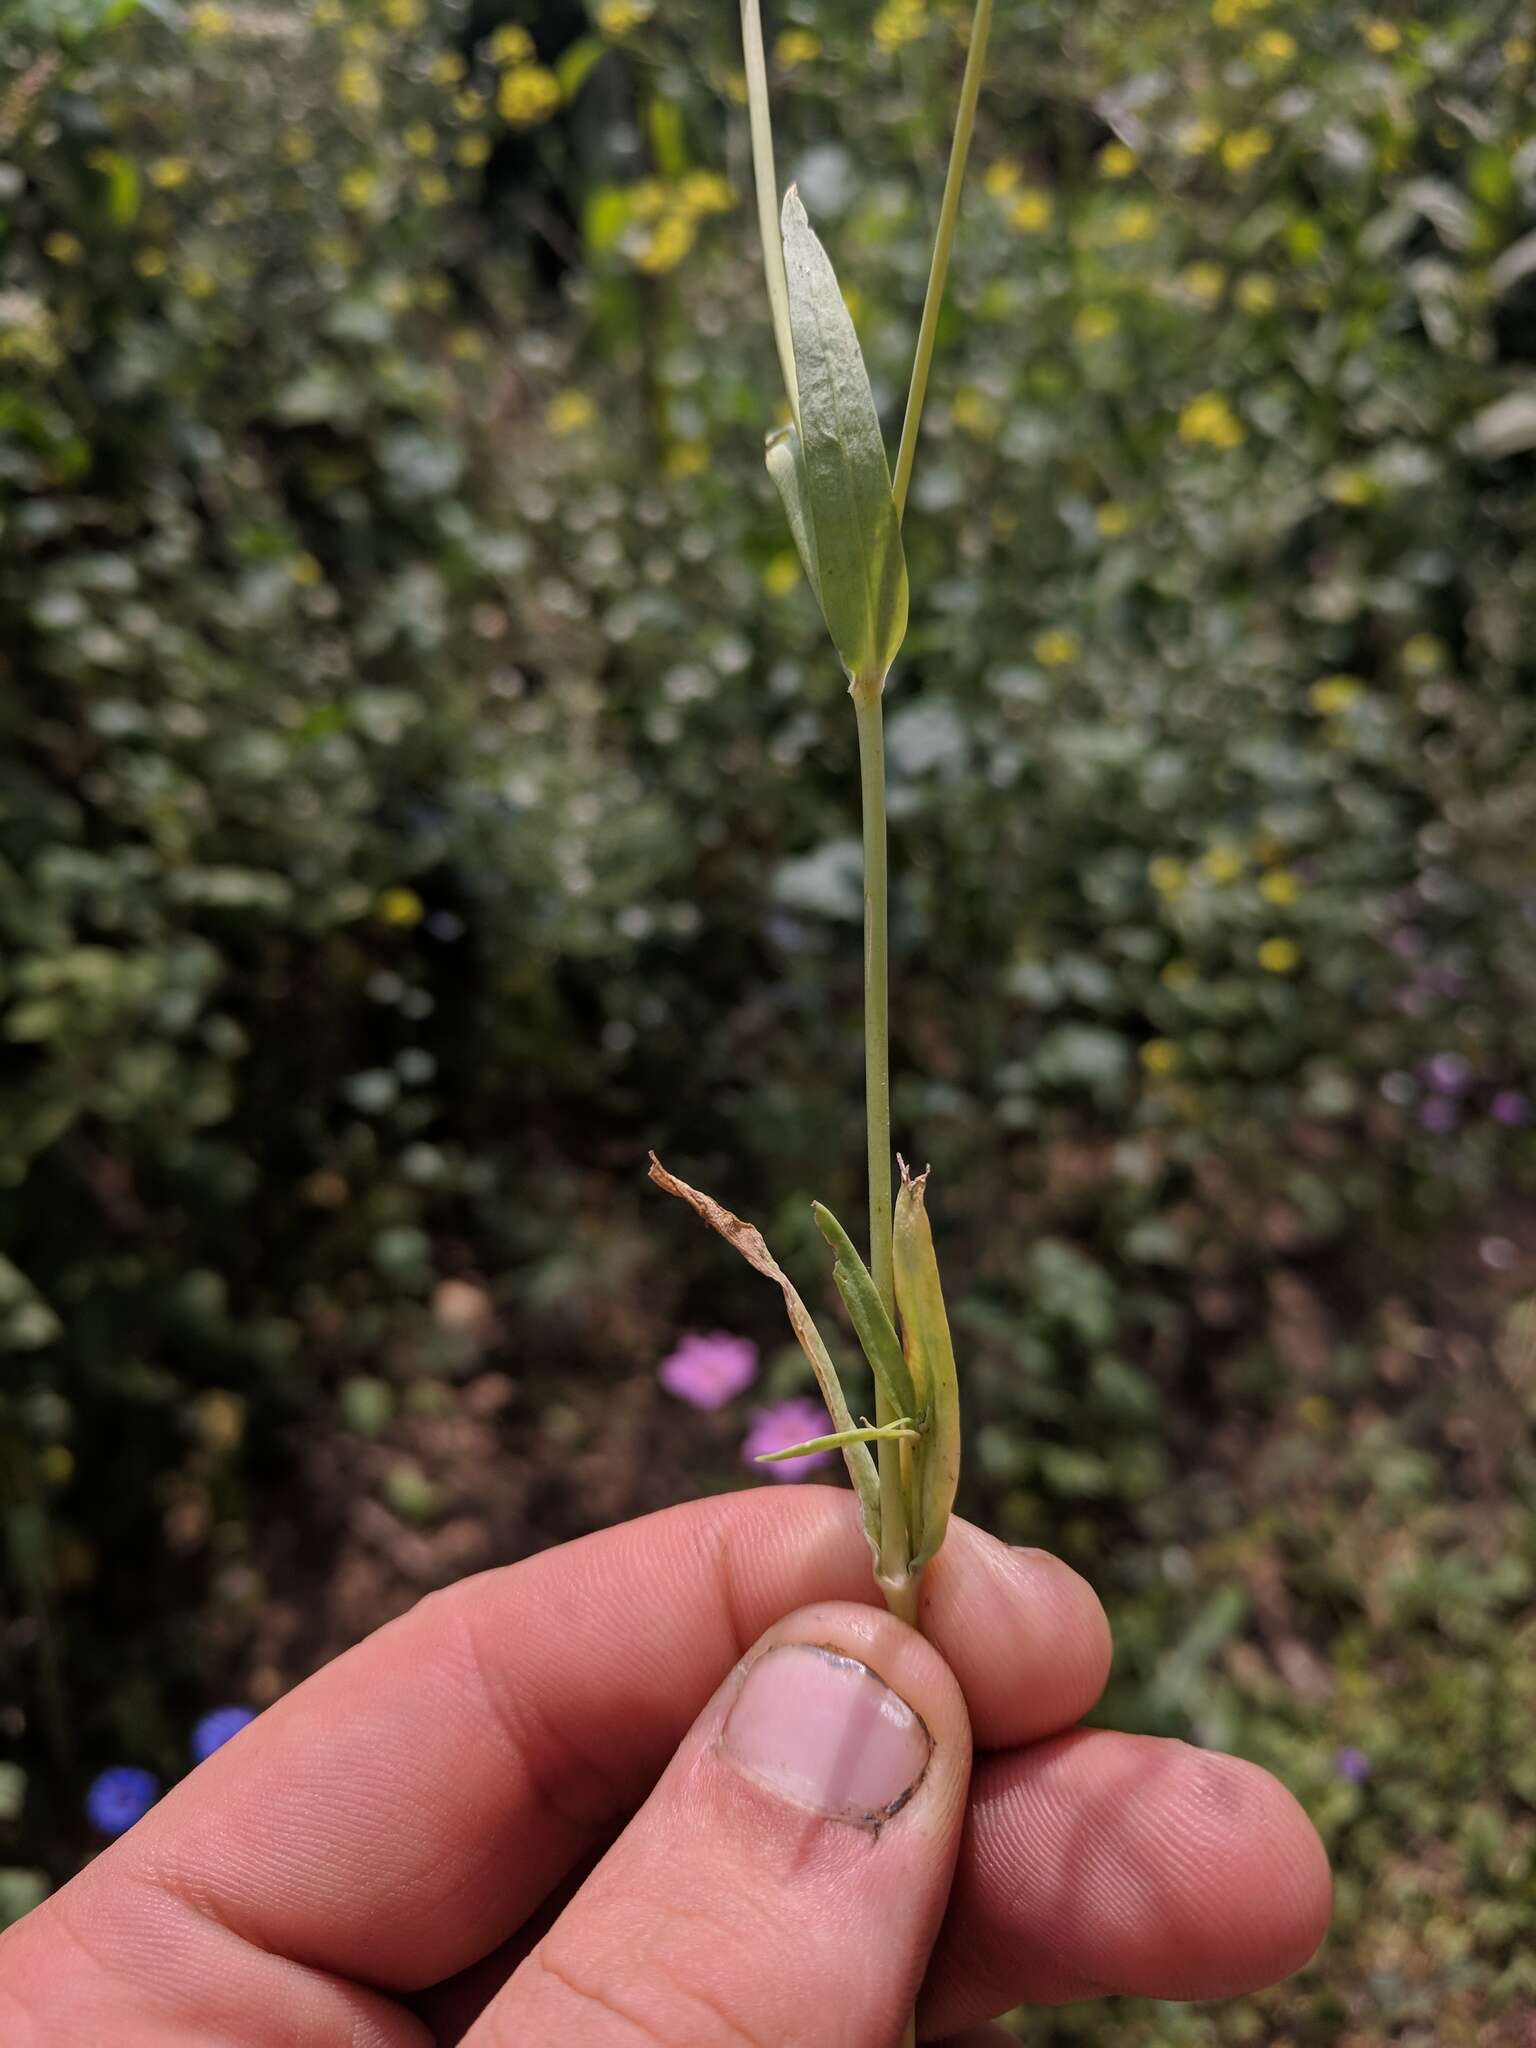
x: 862, y: 569
x: 574, y: 66
x: 669, y: 146
x: 867, y: 1313
x: 900, y: 1431
x: 786, y: 465
x: 122, y: 181
x: 747, y: 1240
x: 931, y: 1357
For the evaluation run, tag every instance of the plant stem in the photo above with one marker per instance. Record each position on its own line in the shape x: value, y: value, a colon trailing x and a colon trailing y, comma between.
x: 894, y: 1549
x: 766, y: 180
x: 943, y: 242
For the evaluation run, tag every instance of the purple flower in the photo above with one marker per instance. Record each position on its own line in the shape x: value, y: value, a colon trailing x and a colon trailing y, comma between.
x: 708, y: 1371
x: 1510, y: 1107
x: 215, y: 1729
x: 785, y: 1423
x: 119, y: 1796
x: 1352, y: 1765
x: 1448, y: 1074
x: 1407, y: 942
x: 1439, y: 1115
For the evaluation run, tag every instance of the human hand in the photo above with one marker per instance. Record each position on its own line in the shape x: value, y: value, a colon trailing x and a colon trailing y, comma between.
x: 546, y: 1806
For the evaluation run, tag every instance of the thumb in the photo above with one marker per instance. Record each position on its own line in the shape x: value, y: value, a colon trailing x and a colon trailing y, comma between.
x: 786, y: 1878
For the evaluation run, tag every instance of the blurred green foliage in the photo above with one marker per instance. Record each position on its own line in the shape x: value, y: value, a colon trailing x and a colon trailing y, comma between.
x: 423, y: 786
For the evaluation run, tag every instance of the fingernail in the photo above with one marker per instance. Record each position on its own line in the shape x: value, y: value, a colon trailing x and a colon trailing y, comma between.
x: 822, y: 1730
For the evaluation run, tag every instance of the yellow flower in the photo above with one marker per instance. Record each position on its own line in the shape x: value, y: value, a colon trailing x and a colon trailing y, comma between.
x: 403, y: 14
x: 469, y: 105
x: 1000, y: 177
x: 169, y: 172
x: 1112, y: 519
x: 1279, y: 956
x: 358, y: 189
x: 898, y: 22
x: 419, y: 139
x: 57, y: 1464
x: 1167, y: 876
x: 782, y: 573
x: 1333, y: 694
x: 1159, y: 1055
x: 647, y: 199
x: 198, y: 282
x: 150, y: 263
x: 705, y: 192
x: 1196, y: 138
x: 1382, y: 36
x: 363, y: 36
x: 796, y: 46
x: 466, y: 346
x: 669, y: 243
x: 298, y: 146
x: 1423, y: 654
x: 1229, y: 13
x: 528, y: 93
x: 1209, y: 421
x: 448, y: 68
x: 327, y: 13
x: 617, y: 18
x: 1116, y: 160
x: 433, y: 189
x: 1136, y: 222
x: 1056, y: 647
x: 1244, y: 148
x: 1031, y: 211
x: 357, y: 85
x: 1349, y: 487
x: 209, y: 20
x: 1223, y: 862
x: 685, y: 459
x: 1273, y: 47
x: 402, y: 907
x: 569, y: 411
x: 1203, y: 281
x: 1280, y: 887
x: 1178, y: 975
x: 1519, y: 50
x: 1256, y: 294
x: 305, y: 571
x: 511, y: 44
x: 62, y: 248
x: 974, y: 413
x: 1095, y: 323
x: 473, y: 151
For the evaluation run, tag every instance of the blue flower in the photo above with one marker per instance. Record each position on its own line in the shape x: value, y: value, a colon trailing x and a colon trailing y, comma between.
x: 215, y: 1729
x: 1353, y: 1765
x: 120, y: 1796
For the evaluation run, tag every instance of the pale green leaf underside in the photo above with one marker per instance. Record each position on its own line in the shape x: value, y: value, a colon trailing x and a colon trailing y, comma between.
x: 931, y: 1357
x: 902, y: 1431
x: 786, y: 465
x: 861, y: 568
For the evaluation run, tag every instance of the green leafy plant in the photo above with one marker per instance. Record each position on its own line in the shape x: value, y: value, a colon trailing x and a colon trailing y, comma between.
x: 830, y: 468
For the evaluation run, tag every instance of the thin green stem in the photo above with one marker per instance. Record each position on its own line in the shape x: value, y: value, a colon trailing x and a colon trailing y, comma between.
x: 766, y: 179
x: 894, y: 1546
x: 943, y: 242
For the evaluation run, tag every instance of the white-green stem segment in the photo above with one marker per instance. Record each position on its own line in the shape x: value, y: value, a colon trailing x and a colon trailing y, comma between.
x: 943, y: 243
x: 895, y: 1551
x: 766, y: 179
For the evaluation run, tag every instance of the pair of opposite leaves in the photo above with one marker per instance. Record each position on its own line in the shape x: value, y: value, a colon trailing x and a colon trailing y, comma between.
x: 831, y: 471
